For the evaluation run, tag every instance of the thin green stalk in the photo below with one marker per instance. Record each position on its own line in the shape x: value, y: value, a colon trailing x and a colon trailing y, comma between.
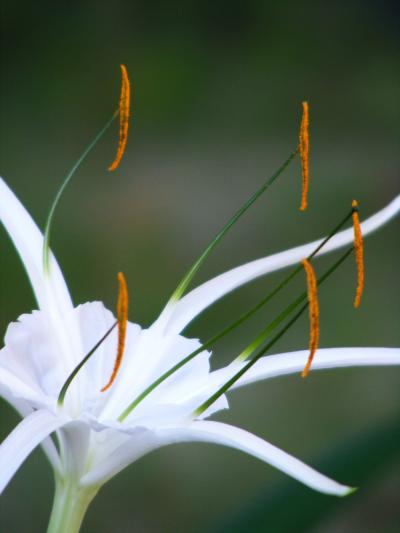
x: 195, y: 267
x: 63, y: 391
x: 46, y: 241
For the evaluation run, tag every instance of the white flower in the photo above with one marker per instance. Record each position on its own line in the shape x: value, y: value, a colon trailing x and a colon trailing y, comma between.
x: 42, y: 348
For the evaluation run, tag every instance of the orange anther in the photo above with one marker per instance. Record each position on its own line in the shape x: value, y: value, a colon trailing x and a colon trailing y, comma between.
x: 304, y: 145
x: 124, y: 108
x: 359, y: 252
x: 313, y: 312
x: 122, y: 315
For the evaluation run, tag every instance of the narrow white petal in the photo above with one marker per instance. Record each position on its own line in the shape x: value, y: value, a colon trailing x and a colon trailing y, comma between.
x: 30, y: 432
x: 21, y: 397
x: 139, y: 444
x: 209, y: 292
x: 28, y: 241
x: 226, y: 435
x: 24, y: 409
x: 51, y: 291
x: 293, y: 362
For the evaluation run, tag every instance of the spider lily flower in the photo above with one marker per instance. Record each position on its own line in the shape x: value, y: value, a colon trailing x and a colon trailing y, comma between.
x: 94, y: 440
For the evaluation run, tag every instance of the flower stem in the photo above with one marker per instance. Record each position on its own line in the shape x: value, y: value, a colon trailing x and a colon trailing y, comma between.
x: 70, y: 505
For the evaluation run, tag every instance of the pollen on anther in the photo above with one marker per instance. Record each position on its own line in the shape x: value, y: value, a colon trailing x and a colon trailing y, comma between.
x: 313, y: 313
x: 359, y: 253
x: 304, y: 144
x: 124, y: 110
x: 122, y: 316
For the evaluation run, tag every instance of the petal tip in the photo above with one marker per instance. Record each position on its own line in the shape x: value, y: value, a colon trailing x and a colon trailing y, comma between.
x: 348, y: 491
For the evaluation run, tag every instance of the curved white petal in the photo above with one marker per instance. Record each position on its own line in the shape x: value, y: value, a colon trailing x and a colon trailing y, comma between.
x: 272, y: 366
x: 50, y: 290
x: 218, y: 433
x: 28, y: 240
x: 226, y: 435
x: 24, y: 409
x: 30, y: 432
x: 209, y: 292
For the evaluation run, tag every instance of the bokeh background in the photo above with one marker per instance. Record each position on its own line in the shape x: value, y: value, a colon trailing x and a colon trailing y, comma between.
x: 218, y: 92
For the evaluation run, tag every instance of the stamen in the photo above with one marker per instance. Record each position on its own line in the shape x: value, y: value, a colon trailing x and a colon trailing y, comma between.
x: 359, y: 252
x: 236, y: 323
x: 304, y: 151
x: 226, y: 386
x: 122, y: 313
x: 124, y: 107
x: 313, y: 312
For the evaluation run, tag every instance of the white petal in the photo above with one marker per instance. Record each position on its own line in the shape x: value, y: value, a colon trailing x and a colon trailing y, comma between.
x: 74, y: 440
x: 142, y: 442
x: 206, y: 294
x: 31, y: 353
x: 147, y: 356
x: 28, y: 241
x: 94, y: 320
x: 19, y: 389
x: 24, y: 409
x: 51, y: 291
x: 23, y: 440
x: 293, y: 362
x: 226, y: 435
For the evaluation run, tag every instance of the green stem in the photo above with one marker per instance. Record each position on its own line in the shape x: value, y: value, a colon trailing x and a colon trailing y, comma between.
x: 70, y: 505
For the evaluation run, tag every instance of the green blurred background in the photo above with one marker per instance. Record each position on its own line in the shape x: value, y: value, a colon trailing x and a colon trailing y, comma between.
x: 217, y: 103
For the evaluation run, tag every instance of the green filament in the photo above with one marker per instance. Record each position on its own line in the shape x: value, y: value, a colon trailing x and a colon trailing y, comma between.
x: 49, y: 221
x: 63, y: 391
x: 217, y: 239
